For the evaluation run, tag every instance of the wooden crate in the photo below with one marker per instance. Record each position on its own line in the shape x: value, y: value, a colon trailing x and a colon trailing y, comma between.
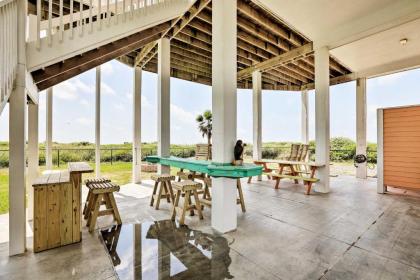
x: 56, y: 212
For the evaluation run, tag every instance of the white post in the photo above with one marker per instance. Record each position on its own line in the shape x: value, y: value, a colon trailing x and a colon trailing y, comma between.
x: 164, y: 101
x: 322, y: 117
x: 305, y: 117
x: 17, y: 143
x: 361, y: 142
x: 33, y: 155
x: 48, y: 134
x: 137, y: 126
x: 257, y: 116
x: 98, y: 123
x: 223, y: 211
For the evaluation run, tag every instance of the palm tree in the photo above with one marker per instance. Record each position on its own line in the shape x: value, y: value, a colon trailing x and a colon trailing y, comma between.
x: 205, y: 124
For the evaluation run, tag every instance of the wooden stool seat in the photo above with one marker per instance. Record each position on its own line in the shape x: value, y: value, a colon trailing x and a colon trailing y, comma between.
x: 162, y: 177
x: 103, y: 187
x: 102, y: 194
x: 188, y: 188
x: 187, y: 185
x: 88, y: 182
x: 162, y: 189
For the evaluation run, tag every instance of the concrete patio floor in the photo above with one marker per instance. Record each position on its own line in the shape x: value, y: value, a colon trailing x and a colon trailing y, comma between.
x: 351, y: 233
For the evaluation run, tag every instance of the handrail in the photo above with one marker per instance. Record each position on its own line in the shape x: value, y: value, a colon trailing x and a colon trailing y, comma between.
x: 81, y: 21
x: 8, y: 49
x: 5, y: 2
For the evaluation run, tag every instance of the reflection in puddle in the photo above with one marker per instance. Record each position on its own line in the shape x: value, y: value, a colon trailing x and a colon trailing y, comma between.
x: 165, y: 250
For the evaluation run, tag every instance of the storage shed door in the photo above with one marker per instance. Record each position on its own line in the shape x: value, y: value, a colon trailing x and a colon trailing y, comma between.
x: 402, y: 147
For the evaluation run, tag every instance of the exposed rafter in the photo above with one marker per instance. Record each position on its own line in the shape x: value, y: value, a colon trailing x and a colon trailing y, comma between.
x: 276, y: 61
x: 176, y: 27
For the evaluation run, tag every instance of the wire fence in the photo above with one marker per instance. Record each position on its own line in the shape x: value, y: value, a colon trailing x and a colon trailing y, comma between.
x: 62, y: 156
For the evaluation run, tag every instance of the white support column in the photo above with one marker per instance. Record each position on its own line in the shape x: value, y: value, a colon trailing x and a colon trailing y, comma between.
x: 17, y: 143
x: 361, y: 141
x: 305, y: 117
x: 33, y: 155
x: 164, y: 100
x: 322, y: 117
x: 257, y: 116
x: 223, y: 211
x: 137, y: 126
x: 98, y: 123
x: 48, y: 134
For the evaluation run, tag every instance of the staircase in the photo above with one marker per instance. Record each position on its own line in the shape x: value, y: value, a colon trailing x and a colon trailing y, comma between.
x: 8, y: 49
x: 64, y: 31
x: 64, y: 36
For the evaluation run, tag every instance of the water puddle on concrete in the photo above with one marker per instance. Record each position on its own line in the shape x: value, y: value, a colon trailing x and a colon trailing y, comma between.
x: 165, y: 250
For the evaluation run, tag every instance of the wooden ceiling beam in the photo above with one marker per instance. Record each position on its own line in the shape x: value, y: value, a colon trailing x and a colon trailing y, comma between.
x: 201, y: 26
x: 283, y: 77
x: 267, y: 37
x: 268, y: 24
x: 179, y: 24
x: 333, y: 81
x: 304, y: 66
x: 276, y: 61
x: 293, y: 69
x: 190, y: 66
x: 190, y: 60
x: 189, y: 53
x: 190, y: 48
x: 186, y: 19
x: 295, y: 75
x: 192, y: 41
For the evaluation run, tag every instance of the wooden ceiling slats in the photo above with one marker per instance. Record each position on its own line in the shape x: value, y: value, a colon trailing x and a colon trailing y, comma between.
x: 265, y: 43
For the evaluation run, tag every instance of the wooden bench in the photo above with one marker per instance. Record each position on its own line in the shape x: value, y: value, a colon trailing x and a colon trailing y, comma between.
x: 308, y: 181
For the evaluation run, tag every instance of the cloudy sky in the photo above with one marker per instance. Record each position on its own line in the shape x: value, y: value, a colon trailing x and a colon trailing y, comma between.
x: 73, y: 108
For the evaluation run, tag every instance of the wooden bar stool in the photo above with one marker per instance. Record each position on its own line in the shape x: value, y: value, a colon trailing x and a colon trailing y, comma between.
x: 206, y: 198
x: 163, y: 188
x: 89, y: 196
x: 188, y: 188
x: 102, y: 193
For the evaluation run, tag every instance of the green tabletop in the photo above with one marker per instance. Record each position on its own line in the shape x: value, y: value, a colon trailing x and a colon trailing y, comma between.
x: 213, y: 169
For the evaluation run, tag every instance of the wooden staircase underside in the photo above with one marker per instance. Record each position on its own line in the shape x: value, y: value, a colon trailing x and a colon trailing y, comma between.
x: 59, y: 72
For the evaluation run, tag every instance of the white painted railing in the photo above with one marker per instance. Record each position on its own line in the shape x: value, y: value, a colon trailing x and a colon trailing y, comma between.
x: 104, y: 12
x: 8, y: 49
x: 59, y: 38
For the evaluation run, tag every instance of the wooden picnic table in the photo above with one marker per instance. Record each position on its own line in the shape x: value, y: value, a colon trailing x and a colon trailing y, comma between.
x: 295, y: 173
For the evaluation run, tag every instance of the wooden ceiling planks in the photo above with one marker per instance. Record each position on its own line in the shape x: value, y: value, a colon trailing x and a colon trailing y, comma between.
x: 265, y: 43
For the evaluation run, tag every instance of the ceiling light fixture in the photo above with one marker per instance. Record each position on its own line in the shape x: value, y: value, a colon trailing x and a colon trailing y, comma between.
x: 403, y: 42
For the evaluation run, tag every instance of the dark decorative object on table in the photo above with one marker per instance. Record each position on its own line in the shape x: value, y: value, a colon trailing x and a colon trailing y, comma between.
x: 239, y: 152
